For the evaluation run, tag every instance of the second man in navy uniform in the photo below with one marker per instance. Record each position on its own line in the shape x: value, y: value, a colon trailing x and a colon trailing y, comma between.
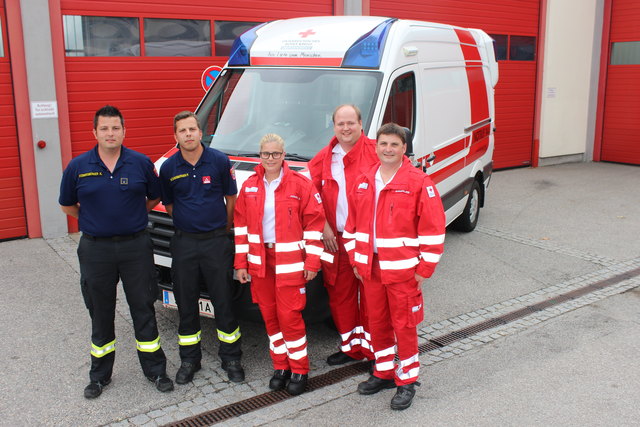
x: 196, y: 183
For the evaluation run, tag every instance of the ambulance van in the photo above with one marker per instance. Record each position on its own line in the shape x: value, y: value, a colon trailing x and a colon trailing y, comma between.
x: 286, y: 77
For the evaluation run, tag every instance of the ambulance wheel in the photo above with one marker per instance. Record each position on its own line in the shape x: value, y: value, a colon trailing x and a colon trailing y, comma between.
x: 469, y: 218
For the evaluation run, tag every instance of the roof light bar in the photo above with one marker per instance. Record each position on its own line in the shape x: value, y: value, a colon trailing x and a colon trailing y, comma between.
x: 366, y: 52
x: 242, y: 45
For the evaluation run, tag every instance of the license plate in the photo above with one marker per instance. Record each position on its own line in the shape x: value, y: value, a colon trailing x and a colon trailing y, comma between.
x: 204, y: 305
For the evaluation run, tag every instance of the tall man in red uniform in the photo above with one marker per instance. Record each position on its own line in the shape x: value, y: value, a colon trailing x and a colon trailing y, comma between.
x: 395, y: 237
x: 333, y: 171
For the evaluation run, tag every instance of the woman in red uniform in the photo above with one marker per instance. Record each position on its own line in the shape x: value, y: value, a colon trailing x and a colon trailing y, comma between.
x: 278, y: 225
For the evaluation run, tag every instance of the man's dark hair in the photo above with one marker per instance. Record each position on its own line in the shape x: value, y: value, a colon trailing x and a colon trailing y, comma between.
x: 355, y: 108
x: 184, y: 115
x: 392, y: 129
x: 107, y: 111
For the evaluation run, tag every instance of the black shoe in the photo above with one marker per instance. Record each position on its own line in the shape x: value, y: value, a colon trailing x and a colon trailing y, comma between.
x: 339, y: 358
x: 94, y: 389
x: 163, y: 382
x: 297, y: 384
x: 403, y: 397
x: 279, y: 379
x: 186, y: 372
x: 234, y: 370
x: 374, y: 385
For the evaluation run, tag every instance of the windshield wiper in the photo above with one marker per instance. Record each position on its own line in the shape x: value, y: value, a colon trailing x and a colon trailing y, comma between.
x: 296, y: 157
x: 246, y: 155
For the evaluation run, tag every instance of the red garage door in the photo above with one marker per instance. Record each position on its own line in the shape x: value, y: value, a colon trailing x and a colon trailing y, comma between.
x: 622, y: 97
x: 147, y: 58
x: 12, y: 214
x: 514, y: 26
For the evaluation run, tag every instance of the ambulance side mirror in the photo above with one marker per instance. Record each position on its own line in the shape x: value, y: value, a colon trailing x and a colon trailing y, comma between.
x: 408, y: 137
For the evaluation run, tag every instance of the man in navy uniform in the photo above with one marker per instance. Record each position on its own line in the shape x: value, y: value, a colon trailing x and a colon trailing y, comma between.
x: 199, y: 191
x: 110, y: 190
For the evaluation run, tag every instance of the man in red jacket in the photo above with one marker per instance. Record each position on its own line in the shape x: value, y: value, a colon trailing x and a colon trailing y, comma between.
x: 333, y: 171
x: 395, y: 237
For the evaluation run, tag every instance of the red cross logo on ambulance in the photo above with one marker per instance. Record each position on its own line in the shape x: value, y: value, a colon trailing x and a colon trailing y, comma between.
x: 305, y: 34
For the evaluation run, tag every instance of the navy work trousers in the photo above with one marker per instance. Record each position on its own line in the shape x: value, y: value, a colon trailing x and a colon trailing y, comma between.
x: 103, y: 263
x: 210, y: 259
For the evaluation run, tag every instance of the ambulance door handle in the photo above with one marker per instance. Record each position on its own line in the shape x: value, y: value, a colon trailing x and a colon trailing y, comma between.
x: 431, y: 158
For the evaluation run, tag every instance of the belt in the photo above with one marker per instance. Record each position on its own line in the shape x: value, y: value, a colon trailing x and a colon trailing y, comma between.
x: 114, y: 238
x: 218, y: 232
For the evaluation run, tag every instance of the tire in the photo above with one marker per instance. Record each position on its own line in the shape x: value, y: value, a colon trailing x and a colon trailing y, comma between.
x: 469, y: 218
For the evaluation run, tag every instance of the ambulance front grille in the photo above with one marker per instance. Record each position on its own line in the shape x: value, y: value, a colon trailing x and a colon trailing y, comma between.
x: 161, y: 229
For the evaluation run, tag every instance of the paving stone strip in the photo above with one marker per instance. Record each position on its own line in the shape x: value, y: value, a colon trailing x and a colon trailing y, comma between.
x: 547, y: 245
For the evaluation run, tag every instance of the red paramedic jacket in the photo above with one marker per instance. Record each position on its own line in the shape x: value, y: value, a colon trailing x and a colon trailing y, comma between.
x: 299, y: 223
x: 356, y: 162
x: 410, y: 225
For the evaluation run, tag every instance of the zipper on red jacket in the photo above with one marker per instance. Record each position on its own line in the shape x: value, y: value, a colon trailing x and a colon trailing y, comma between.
x: 391, y: 213
x: 290, y: 218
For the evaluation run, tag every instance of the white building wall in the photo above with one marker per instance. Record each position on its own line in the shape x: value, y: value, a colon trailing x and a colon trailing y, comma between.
x: 570, y: 78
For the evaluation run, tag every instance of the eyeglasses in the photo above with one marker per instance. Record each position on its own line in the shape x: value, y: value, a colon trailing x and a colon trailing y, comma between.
x: 275, y: 155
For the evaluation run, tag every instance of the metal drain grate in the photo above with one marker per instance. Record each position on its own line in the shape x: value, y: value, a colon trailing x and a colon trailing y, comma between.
x: 336, y: 375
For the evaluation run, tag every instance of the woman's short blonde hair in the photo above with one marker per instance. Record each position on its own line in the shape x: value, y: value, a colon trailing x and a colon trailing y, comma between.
x: 272, y: 137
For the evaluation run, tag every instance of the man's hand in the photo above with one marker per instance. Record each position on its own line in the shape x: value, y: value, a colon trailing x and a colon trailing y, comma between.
x: 329, y: 239
x: 419, y: 279
x: 243, y: 275
x: 309, y: 275
x: 355, y: 272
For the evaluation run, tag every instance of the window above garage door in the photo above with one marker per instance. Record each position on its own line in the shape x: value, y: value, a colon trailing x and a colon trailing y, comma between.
x: 120, y: 36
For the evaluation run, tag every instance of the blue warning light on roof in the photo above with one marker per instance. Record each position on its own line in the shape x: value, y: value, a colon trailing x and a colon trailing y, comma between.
x: 242, y: 45
x: 366, y: 52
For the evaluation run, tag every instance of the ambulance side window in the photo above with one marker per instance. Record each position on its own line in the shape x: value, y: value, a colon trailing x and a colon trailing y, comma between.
x: 402, y: 100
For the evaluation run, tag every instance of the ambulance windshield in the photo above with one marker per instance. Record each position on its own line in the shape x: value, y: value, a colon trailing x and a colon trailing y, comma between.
x: 245, y: 104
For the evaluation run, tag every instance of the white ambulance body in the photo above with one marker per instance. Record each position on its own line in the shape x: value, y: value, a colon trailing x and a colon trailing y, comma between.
x: 286, y: 77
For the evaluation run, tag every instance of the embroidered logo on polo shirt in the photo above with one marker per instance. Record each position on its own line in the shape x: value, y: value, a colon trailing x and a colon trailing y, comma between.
x: 232, y: 171
x: 173, y: 178
x: 251, y: 190
x: 431, y: 192
x: 318, y: 198
x: 363, y: 185
x: 86, y: 174
x: 124, y: 181
x: 206, y: 180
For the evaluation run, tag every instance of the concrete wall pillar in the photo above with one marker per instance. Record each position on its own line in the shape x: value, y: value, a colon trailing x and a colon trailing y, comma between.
x: 44, y: 117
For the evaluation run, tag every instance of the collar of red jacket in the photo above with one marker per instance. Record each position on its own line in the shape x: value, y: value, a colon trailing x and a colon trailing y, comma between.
x: 403, y: 170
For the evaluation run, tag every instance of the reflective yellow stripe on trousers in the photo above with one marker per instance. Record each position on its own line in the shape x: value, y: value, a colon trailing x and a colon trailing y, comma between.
x: 148, y: 346
x: 189, y: 339
x: 104, y: 350
x: 229, y: 338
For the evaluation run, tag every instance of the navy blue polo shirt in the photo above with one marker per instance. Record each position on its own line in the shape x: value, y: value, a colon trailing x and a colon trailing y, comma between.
x: 111, y: 204
x: 197, y: 192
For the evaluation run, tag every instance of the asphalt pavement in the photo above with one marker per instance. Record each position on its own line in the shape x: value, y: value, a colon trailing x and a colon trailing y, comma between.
x: 543, y: 233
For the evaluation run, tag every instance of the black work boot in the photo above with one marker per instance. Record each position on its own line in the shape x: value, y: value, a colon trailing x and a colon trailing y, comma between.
x: 374, y: 385
x: 403, y: 397
x: 339, y: 358
x: 297, y: 384
x: 94, y: 389
x: 234, y: 370
x: 186, y: 372
x: 279, y: 379
x: 163, y: 382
